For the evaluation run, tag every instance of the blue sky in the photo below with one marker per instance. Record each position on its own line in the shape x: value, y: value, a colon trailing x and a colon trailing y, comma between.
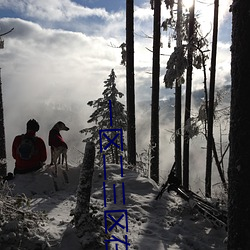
x: 61, y: 52
x: 68, y: 14
x: 108, y: 5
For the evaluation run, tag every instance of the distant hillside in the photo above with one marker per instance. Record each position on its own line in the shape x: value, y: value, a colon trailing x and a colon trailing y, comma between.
x: 167, y: 106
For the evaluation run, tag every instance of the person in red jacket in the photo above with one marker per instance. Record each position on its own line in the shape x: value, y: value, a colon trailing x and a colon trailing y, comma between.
x: 29, y: 150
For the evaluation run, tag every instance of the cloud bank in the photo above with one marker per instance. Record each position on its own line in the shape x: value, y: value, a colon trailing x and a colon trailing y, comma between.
x: 59, y: 55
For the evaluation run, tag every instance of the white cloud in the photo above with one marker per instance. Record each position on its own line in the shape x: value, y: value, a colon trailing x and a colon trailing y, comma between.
x: 52, y: 10
x: 57, y: 60
x: 205, y: 12
x: 47, y: 70
x: 143, y: 12
x: 56, y: 10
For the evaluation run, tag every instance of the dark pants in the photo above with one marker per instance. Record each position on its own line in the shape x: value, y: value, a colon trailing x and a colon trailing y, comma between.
x: 25, y: 171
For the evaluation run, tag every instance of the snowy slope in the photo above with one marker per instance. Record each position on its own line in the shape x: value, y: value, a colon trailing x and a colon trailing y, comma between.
x: 165, y: 224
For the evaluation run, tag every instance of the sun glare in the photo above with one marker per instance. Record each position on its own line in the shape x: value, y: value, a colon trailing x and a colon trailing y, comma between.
x: 187, y: 3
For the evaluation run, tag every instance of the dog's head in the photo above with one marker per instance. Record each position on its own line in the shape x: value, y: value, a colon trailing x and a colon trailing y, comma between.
x: 61, y: 126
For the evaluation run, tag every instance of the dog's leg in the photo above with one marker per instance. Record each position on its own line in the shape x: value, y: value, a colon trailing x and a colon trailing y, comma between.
x: 63, y: 157
x: 55, y: 158
x: 66, y: 161
x: 59, y: 159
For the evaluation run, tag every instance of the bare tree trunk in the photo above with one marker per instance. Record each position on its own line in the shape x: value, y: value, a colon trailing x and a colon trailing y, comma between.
x: 131, y: 131
x: 239, y: 159
x: 188, y: 98
x: 216, y: 158
x: 211, y: 102
x: 178, y: 158
x: 154, y: 169
x: 84, y: 187
x: 89, y: 228
x: 3, y: 161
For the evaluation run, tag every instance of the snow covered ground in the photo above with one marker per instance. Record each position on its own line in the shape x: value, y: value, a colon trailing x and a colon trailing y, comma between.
x: 165, y: 224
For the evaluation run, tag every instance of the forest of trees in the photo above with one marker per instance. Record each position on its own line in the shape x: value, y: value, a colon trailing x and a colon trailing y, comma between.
x: 189, y: 51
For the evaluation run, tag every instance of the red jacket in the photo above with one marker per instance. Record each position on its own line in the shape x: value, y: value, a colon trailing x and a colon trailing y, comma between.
x: 37, y: 159
x: 55, y: 139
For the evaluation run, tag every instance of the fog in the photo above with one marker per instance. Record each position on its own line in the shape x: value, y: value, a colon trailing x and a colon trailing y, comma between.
x: 51, y: 69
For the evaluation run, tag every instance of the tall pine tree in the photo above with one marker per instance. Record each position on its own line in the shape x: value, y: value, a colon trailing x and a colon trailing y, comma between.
x: 154, y: 168
x: 101, y: 118
x: 3, y: 161
x: 238, y: 170
x: 130, y: 86
x: 3, y: 164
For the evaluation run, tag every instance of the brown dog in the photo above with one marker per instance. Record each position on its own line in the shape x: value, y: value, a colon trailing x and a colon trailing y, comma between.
x: 58, y: 146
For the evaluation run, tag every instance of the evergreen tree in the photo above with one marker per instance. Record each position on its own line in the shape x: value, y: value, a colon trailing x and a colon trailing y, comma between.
x: 154, y: 167
x: 3, y: 164
x: 187, y: 110
x: 188, y: 53
x: 3, y: 161
x: 130, y: 86
x: 238, y: 170
x: 101, y: 117
x: 210, y: 118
